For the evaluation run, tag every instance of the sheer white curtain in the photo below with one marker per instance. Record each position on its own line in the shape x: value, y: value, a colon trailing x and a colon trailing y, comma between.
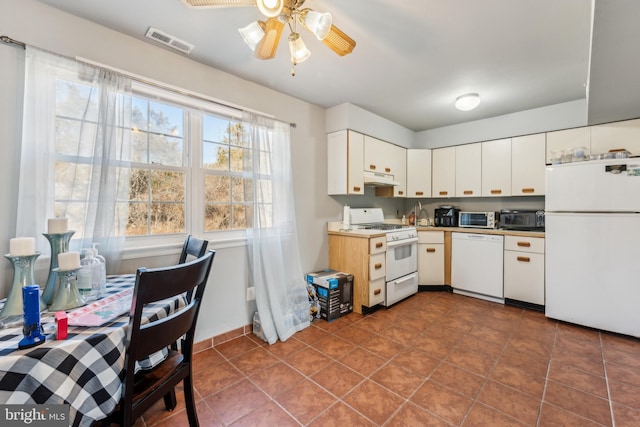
x: 274, y: 259
x: 75, y: 152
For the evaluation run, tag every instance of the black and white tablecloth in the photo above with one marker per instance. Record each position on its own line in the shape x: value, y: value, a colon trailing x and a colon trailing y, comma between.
x: 85, y: 370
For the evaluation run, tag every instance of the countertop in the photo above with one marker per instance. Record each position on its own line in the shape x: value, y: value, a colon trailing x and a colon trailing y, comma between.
x: 335, y: 228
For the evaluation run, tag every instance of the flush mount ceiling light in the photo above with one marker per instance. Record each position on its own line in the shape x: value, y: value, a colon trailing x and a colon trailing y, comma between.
x: 263, y: 37
x: 467, y: 102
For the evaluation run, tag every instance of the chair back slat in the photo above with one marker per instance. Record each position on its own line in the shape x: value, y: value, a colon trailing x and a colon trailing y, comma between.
x: 157, y: 335
x: 194, y: 247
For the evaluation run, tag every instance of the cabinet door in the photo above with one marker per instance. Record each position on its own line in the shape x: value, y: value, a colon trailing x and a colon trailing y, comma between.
x: 443, y: 167
x: 431, y: 264
x: 468, y: 170
x: 345, y: 159
x: 418, y: 173
x: 496, y: 168
x: 377, y: 155
x: 524, y: 276
x: 567, y: 139
x: 616, y: 136
x: 397, y: 158
x: 528, y: 165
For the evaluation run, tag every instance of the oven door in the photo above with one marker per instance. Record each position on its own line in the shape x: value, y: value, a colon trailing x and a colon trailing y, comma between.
x: 402, y: 258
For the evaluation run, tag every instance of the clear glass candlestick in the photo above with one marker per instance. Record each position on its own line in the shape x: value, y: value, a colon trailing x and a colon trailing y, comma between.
x: 59, y: 244
x: 68, y: 296
x: 22, y: 276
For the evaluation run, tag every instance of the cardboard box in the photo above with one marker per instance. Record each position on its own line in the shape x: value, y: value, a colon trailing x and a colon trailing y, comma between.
x: 335, y: 292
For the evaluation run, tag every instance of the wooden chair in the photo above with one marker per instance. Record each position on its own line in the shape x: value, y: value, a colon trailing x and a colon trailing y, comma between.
x: 194, y: 247
x: 144, y: 388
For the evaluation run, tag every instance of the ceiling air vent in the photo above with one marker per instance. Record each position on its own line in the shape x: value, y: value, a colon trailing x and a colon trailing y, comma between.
x: 169, y: 40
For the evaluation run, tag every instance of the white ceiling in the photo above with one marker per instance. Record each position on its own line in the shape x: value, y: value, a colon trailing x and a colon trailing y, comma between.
x: 411, y: 60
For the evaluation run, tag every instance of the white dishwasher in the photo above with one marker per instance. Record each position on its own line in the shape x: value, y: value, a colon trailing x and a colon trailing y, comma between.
x: 477, y: 262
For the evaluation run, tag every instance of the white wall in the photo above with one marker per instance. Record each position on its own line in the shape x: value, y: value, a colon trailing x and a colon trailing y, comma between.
x: 39, y: 25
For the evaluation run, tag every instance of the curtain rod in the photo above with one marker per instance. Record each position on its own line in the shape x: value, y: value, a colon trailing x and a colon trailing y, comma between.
x: 9, y: 40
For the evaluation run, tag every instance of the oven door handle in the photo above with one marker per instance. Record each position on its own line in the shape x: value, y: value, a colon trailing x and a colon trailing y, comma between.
x: 394, y: 243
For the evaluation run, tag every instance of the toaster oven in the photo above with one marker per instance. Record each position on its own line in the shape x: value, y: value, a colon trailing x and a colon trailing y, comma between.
x: 478, y: 219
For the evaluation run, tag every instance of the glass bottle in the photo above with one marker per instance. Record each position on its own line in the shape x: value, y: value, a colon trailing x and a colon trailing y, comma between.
x: 103, y: 270
x: 89, y: 276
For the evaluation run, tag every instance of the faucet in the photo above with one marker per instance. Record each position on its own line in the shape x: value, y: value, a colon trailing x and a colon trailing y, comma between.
x: 418, y: 210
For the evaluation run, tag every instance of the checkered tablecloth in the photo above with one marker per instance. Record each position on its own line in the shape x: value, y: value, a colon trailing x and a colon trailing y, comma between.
x: 85, y: 370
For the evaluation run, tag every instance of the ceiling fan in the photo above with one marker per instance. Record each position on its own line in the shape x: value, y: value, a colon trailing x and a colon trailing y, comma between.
x: 263, y: 37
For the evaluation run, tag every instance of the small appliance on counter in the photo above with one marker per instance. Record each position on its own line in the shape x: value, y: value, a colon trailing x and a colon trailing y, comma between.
x: 522, y: 219
x: 478, y: 219
x: 446, y: 216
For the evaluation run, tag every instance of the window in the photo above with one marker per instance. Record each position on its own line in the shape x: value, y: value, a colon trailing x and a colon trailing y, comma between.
x: 184, y: 161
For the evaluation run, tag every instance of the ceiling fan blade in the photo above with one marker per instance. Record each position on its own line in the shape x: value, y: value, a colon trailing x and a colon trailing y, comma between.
x: 267, y: 47
x: 205, y: 4
x: 339, y: 42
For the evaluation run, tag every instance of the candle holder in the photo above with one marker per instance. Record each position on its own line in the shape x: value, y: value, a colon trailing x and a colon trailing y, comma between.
x: 59, y: 244
x: 31, y: 325
x: 68, y: 296
x: 22, y: 276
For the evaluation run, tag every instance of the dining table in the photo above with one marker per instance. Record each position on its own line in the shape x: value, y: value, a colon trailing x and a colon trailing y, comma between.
x: 86, y: 369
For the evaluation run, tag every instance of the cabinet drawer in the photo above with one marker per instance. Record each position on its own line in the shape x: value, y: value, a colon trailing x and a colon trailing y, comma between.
x: 524, y: 244
x: 524, y: 277
x: 377, y: 266
x: 377, y: 245
x: 430, y: 236
x: 376, y: 291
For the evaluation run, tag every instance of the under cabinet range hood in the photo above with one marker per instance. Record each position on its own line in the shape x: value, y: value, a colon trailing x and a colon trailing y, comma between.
x: 376, y: 179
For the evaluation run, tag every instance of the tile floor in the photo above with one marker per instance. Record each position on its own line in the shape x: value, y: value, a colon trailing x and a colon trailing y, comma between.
x: 433, y: 359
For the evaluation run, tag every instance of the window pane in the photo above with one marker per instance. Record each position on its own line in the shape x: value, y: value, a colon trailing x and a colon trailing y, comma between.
x: 165, y: 150
x: 139, y: 147
x: 74, y: 100
x: 239, y: 221
x: 217, y: 217
x: 215, y: 129
x: 75, y: 138
x: 167, y: 186
x: 138, y: 223
x: 167, y: 218
x: 166, y: 119
x: 216, y: 188
x: 139, y: 183
x: 139, y: 114
x: 215, y: 156
x: 72, y: 181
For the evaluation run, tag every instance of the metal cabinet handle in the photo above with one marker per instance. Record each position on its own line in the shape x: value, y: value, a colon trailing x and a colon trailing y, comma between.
x: 524, y: 259
x: 524, y: 244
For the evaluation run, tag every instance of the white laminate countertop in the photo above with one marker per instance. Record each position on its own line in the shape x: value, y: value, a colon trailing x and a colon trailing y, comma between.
x: 485, y: 231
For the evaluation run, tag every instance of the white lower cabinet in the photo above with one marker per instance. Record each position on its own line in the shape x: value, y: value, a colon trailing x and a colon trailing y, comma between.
x: 431, y: 258
x: 524, y: 269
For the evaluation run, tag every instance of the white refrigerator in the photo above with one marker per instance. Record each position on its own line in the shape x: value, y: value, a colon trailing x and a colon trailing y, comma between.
x: 592, y: 238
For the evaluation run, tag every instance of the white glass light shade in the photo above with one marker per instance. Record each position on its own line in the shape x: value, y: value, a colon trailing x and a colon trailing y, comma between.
x: 252, y: 34
x: 316, y: 22
x: 467, y: 102
x: 299, y: 51
x: 270, y: 8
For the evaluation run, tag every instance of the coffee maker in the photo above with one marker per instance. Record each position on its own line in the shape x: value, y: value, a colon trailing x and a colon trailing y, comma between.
x: 446, y: 216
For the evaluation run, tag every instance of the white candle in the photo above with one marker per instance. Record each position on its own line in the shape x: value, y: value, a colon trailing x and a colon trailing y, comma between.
x: 69, y: 261
x: 57, y: 225
x: 22, y: 246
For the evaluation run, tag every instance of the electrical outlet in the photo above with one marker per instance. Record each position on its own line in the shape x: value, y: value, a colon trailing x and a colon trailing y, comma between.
x: 251, y: 293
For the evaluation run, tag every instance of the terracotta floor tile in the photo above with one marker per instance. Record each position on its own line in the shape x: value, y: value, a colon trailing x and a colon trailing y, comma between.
x: 363, y: 361
x: 236, y: 401
x: 337, y: 378
x: 308, y: 361
x: 276, y: 379
x: 518, y: 405
x: 340, y: 415
x: 623, y: 374
x: 305, y: 401
x: 458, y: 379
x: 532, y: 365
x: 488, y: 349
x: 382, y: 346
x: 537, y: 348
x: 412, y: 415
x: 211, y: 379
x: 576, y: 378
x: 206, y: 418
x: 434, y: 346
x: 254, y: 361
x: 625, y: 416
x: 625, y: 394
x: 283, y: 349
x: 373, y: 401
x: 470, y: 360
x: 334, y: 346
x: 333, y: 326
x: 518, y: 378
x: 236, y: 347
x: 417, y: 361
x: 354, y: 334
x: 398, y: 379
x: 400, y: 334
x: 622, y: 356
x: 442, y: 401
x: 578, y: 402
x: 373, y: 324
x: 208, y: 357
x: 311, y: 335
x: 483, y: 416
x: 554, y: 416
x: 268, y: 415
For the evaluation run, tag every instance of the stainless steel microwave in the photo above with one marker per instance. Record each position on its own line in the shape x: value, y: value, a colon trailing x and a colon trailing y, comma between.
x: 478, y: 219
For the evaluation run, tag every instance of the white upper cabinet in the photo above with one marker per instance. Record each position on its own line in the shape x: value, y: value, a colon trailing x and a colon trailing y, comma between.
x: 496, y: 168
x: 345, y: 159
x: 418, y: 173
x: 616, y: 136
x: 468, y: 170
x: 377, y: 156
x: 443, y: 168
x: 566, y: 140
x: 528, y: 165
x: 398, y: 159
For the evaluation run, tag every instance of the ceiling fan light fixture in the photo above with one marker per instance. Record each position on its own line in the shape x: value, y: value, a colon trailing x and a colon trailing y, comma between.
x: 318, y: 23
x: 252, y: 33
x: 467, y: 102
x: 270, y: 8
x: 299, y: 51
